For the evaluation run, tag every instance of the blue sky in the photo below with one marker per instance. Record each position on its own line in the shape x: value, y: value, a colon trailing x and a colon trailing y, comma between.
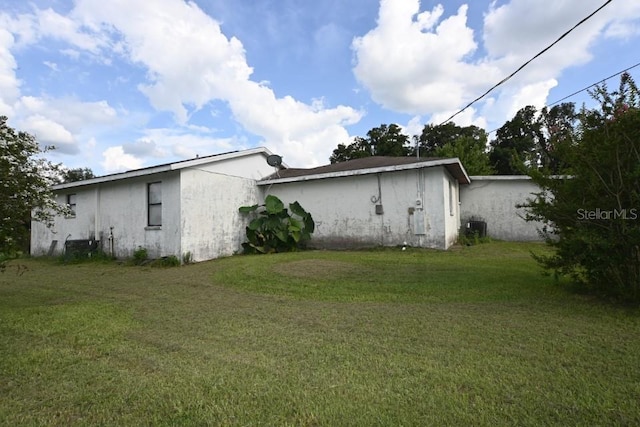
x: 117, y: 85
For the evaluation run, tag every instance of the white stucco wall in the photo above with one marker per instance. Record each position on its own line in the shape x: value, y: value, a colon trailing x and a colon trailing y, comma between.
x: 451, y: 192
x: 252, y: 166
x: 211, y: 224
x: 209, y: 198
x: 344, y: 208
x: 493, y: 199
x: 79, y: 227
x: 123, y: 206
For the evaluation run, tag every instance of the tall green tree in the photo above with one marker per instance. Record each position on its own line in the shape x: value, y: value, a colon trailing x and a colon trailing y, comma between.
x: 514, y: 148
x: 471, y: 152
x: 559, y: 127
x: 592, y: 217
x: 530, y: 137
x: 435, y: 137
x: 388, y: 141
x: 359, y: 148
x: 25, y: 182
x: 384, y: 140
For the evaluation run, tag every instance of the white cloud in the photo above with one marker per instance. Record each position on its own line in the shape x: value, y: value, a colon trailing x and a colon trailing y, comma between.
x: 187, y: 69
x: 143, y: 147
x: 51, y: 65
x: 428, y: 63
x: 22, y: 27
x: 76, y: 115
x: 50, y: 133
x: 510, y: 40
x: 52, y: 24
x: 304, y: 132
x: 414, y: 61
x: 66, y: 123
x: 413, y: 127
x: 622, y: 30
x: 9, y: 83
x: 116, y: 160
x: 467, y: 118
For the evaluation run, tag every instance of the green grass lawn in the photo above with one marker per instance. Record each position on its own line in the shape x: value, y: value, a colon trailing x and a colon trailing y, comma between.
x: 472, y: 336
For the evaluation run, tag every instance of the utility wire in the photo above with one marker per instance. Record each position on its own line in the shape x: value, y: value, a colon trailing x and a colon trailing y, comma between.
x: 591, y: 85
x: 528, y: 62
x: 584, y: 88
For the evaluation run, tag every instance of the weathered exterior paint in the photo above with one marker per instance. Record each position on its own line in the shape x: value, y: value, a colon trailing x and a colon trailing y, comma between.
x: 493, y: 199
x: 344, y: 208
x: 210, y: 222
x: 421, y: 206
x: 200, y: 200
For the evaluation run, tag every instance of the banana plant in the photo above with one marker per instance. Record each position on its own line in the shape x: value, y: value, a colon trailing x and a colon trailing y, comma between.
x: 274, y: 229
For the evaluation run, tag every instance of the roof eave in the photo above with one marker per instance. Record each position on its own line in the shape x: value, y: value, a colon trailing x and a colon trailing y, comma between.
x: 162, y: 168
x: 463, y: 178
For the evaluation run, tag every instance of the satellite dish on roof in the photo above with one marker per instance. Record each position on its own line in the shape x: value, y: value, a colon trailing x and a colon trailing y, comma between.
x: 274, y: 160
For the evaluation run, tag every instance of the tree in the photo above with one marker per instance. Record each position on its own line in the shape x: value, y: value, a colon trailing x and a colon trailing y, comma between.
x: 471, y: 153
x: 358, y: 149
x: 592, y: 218
x: 516, y: 142
x: 25, y: 181
x: 77, y: 174
x: 435, y: 137
x: 529, y: 138
x: 559, y: 128
x: 388, y: 141
x: 384, y: 140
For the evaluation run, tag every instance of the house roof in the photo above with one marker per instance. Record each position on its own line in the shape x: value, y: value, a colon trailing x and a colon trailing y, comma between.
x: 367, y: 165
x: 181, y: 164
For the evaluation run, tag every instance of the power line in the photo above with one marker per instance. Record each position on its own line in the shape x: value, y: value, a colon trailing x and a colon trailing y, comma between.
x: 584, y: 88
x: 529, y: 61
x: 593, y: 84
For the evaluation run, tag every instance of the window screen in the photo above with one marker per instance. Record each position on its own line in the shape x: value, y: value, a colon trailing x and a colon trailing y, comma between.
x: 71, y: 202
x: 154, y: 196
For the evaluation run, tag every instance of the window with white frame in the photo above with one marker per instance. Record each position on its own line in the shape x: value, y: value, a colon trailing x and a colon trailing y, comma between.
x: 154, y: 204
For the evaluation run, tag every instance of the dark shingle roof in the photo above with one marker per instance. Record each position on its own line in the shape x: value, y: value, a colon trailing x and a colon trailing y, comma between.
x: 374, y: 162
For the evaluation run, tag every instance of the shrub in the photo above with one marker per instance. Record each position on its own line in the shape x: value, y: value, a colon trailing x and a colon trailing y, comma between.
x: 274, y: 229
x: 140, y: 255
x: 592, y: 216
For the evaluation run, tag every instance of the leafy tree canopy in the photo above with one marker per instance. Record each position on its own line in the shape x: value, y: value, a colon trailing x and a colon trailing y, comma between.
x: 77, y: 174
x: 528, y: 139
x: 434, y: 137
x: 384, y: 140
x: 471, y: 152
x: 25, y: 179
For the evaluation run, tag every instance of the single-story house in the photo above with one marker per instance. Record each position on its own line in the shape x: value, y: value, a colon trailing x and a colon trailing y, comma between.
x: 190, y: 208
x: 187, y: 207
x: 377, y: 201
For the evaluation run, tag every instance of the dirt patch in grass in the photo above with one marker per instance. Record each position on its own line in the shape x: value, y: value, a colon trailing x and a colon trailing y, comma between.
x: 315, y: 268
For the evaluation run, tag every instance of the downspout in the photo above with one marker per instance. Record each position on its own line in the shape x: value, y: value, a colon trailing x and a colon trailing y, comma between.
x: 419, y: 210
x: 97, y: 234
